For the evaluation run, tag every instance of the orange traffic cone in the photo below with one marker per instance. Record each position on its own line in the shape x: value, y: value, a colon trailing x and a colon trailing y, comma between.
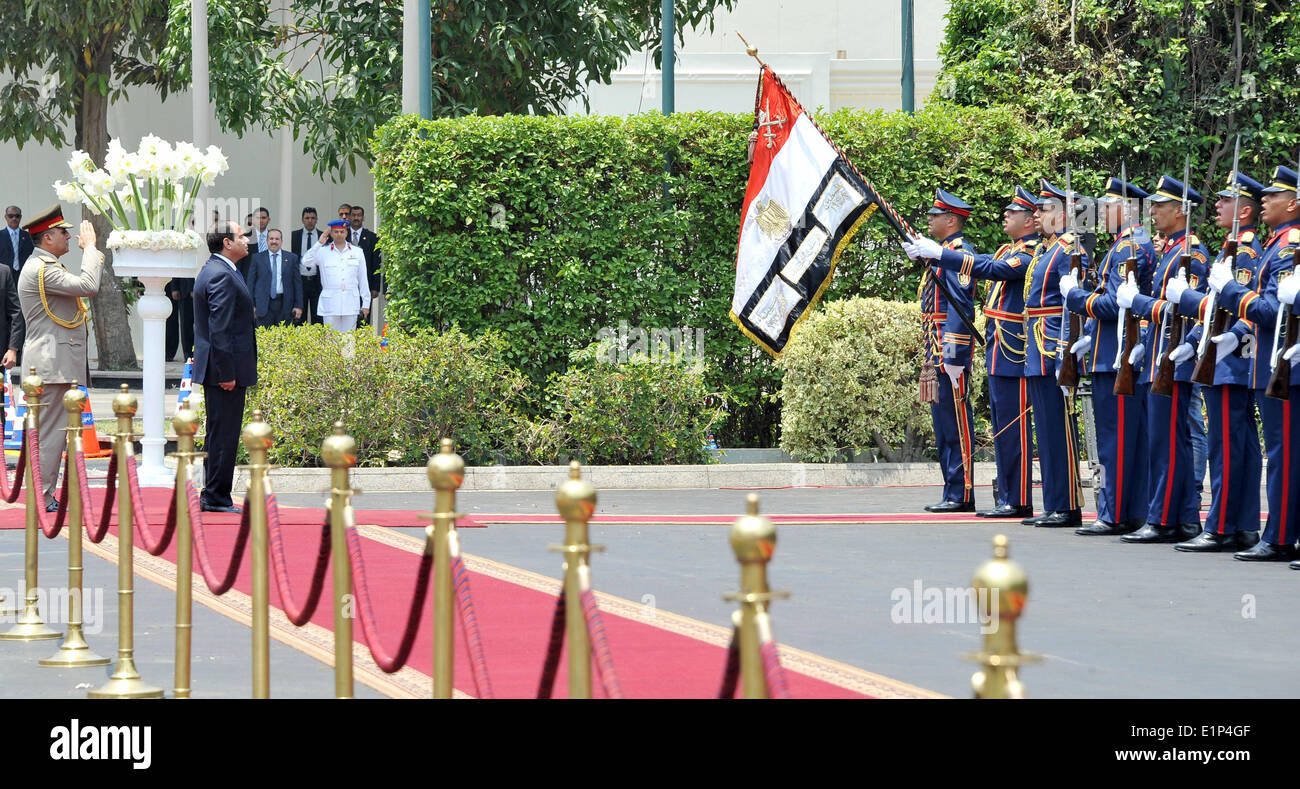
x: 90, y: 443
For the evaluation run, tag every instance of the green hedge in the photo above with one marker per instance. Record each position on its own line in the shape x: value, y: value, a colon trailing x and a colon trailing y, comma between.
x: 550, y: 229
x: 851, y: 383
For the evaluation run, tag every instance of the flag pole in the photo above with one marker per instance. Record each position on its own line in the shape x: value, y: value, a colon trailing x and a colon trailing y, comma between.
x: 751, y: 50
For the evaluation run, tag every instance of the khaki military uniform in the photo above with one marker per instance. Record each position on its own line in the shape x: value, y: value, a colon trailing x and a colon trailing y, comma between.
x: 58, y: 352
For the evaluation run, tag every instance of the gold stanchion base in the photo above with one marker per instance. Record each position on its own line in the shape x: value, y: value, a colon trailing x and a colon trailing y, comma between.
x: 74, y: 657
x: 126, y: 688
x: 29, y: 631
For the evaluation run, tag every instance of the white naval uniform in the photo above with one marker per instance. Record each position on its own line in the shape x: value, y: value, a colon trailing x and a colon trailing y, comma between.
x: 344, y: 291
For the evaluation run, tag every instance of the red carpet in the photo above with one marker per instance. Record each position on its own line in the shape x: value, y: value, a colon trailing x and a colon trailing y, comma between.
x: 652, y: 661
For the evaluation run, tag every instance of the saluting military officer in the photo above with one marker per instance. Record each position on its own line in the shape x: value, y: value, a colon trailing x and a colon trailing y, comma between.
x: 56, y: 327
x: 344, y: 291
x: 1235, y: 462
x: 1260, y: 306
x: 1174, y: 511
x: 948, y: 343
x: 1120, y: 419
x: 1004, y: 348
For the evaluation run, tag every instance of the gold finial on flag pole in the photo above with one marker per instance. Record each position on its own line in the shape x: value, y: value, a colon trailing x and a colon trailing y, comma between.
x: 751, y: 50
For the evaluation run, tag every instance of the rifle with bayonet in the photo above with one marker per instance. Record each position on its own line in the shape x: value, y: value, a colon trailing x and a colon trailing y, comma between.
x: 1067, y: 364
x: 1125, y: 377
x: 1173, y: 327
x: 1279, y: 384
x: 1206, y: 356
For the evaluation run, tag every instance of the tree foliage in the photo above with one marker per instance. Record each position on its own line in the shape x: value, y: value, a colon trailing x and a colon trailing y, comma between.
x: 333, y: 69
x: 1140, y: 81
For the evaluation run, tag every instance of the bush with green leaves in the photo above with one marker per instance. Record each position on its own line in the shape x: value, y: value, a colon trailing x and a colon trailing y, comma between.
x: 398, y: 402
x: 851, y: 382
x: 644, y: 409
x: 549, y: 229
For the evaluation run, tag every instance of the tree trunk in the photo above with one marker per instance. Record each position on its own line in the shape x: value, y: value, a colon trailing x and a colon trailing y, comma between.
x: 108, y: 307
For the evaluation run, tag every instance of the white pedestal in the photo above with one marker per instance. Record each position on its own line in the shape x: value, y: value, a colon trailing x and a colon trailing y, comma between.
x: 154, y: 269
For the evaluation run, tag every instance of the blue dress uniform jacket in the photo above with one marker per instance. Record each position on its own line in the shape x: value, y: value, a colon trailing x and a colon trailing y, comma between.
x: 949, y: 342
x: 1236, y: 368
x: 1042, y: 295
x: 1151, y: 308
x: 1278, y: 417
x: 1004, y: 356
x: 1099, y: 305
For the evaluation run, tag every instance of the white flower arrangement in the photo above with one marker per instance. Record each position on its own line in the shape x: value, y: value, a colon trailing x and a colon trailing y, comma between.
x: 147, y: 196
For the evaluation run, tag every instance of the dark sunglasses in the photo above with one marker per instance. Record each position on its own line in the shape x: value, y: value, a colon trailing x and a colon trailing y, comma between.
x: 13, y: 216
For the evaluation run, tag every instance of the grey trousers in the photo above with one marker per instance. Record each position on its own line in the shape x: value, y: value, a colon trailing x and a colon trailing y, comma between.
x: 53, y: 421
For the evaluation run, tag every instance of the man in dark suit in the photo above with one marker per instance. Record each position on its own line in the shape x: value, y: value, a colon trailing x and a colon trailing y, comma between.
x: 367, y: 241
x: 276, y: 284
x: 180, y: 324
x: 300, y: 243
x: 12, y: 326
x: 225, y: 358
x: 16, y: 245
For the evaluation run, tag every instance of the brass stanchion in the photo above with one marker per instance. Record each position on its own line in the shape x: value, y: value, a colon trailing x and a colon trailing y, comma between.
x: 339, y: 452
x: 446, y: 472
x: 753, y: 538
x: 1002, y: 581
x: 186, y: 425
x: 30, y: 626
x: 257, y: 440
x: 74, y: 652
x: 576, y: 501
x: 125, y: 682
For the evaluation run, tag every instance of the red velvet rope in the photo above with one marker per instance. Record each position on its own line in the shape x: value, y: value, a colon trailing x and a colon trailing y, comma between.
x: 777, y: 687
x: 388, y: 664
x: 299, y: 615
x: 10, y: 490
x: 141, y: 522
x: 469, y: 627
x: 96, y: 533
x: 731, y: 673
x: 222, y: 585
x: 50, y: 530
x: 552, y: 661
x: 600, y: 646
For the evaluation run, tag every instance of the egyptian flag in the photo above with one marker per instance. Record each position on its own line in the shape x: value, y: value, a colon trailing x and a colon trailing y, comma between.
x: 803, y: 204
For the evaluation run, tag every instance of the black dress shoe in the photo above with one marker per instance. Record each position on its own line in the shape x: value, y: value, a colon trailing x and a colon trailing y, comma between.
x: 1247, y: 539
x: 1007, y: 511
x: 952, y: 506
x: 228, y: 508
x: 1295, y: 565
x: 1209, y: 542
x: 51, y: 504
x: 1152, y: 533
x: 1061, y: 519
x: 1267, y: 552
x: 1190, y: 530
x: 1101, y: 528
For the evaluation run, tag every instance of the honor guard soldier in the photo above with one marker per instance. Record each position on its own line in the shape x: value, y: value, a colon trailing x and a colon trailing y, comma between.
x: 1004, y: 348
x: 1174, y: 512
x: 1259, y: 304
x: 1120, y: 419
x: 344, y: 289
x: 1236, y: 465
x: 948, y: 342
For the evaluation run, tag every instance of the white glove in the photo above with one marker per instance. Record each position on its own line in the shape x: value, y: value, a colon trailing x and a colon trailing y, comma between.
x: 954, y: 373
x: 1292, y: 352
x: 1081, y: 346
x: 1136, y: 356
x: 1175, y: 287
x: 1182, y: 353
x: 1068, y: 283
x: 912, y: 252
x: 1127, y: 292
x: 922, y: 247
x: 1226, y: 343
x: 1220, y: 275
x: 1287, y: 289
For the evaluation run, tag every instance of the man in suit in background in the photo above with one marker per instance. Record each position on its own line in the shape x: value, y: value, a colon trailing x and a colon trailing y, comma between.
x: 275, y: 283
x: 366, y: 240
x: 55, y: 344
x: 225, y: 358
x: 16, y: 246
x: 301, y: 242
x: 180, y: 324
